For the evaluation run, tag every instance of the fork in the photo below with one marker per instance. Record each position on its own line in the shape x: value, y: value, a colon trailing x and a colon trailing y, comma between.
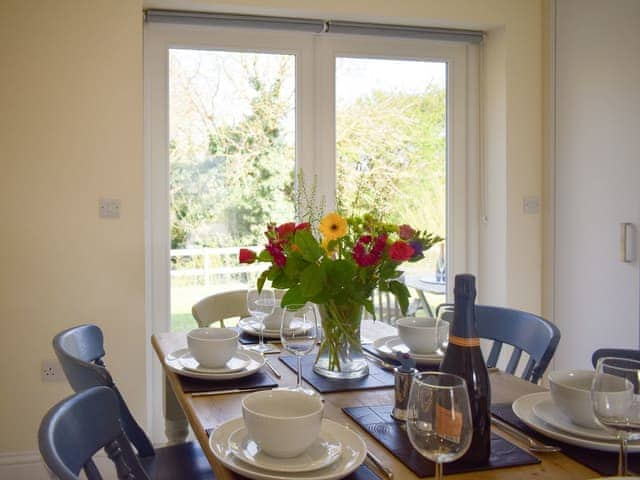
x: 534, y: 445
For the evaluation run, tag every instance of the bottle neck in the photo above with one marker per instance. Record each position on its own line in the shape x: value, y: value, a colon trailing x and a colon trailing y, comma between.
x: 463, y: 331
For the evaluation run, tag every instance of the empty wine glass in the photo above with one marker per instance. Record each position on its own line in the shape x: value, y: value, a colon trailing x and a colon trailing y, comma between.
x: 260, y: 305
x: 439, y: 418
x: 616, y: 403
x: 299, y: 333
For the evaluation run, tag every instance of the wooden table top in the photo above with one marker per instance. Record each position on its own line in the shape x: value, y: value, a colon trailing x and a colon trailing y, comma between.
x: 209, y: 412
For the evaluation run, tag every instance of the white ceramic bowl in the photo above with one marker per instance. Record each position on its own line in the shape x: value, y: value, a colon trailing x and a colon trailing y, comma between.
x: 273, y: 321
x: 571, y: 393
x: 421, y: 335
x: 284, y: 423
x: 212, y: 347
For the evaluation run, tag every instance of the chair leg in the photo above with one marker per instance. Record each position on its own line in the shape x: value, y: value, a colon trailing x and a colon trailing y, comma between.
x: 176, y: 427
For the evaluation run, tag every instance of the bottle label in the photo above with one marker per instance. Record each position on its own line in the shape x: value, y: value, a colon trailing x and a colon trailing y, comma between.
x: 448, y: 423
x: 464, y: 341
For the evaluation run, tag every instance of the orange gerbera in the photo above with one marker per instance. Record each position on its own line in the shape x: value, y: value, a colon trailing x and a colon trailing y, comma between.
x: 333, y: 226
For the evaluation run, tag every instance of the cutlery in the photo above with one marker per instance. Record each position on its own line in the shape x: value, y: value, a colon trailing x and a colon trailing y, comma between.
x: 534, y: 445
x: 375, y: 461
x: 230, y: 390
x: 378, y: 361
x: 273, y: 369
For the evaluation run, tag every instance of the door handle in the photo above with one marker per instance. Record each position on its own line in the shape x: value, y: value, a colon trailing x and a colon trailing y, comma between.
x: 627, y: 244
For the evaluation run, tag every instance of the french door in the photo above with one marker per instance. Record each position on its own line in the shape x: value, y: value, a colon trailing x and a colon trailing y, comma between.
x: 232, y: 117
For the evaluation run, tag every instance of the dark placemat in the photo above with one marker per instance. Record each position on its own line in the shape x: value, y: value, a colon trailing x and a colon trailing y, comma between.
x: 246, y: 338
x: 257, y: 380
x: 368, y: 347
x: 605, y: 463
x: 377, y: 377
x: 378, y: 422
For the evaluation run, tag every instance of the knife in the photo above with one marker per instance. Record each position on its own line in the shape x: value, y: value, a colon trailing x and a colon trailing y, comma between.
x: 230, y: 390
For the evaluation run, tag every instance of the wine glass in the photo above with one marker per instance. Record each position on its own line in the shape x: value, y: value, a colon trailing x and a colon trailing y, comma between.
x: 616, y: 403
x: 439, y: 418
x: 260, y: 305
x: 298, y: 333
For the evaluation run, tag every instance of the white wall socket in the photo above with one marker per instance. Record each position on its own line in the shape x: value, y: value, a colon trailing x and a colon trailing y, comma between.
x: 109, y: 207
x: 51, y: 371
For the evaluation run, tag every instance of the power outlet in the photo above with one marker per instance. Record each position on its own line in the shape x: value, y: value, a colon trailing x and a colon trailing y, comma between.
x: 51, y: 371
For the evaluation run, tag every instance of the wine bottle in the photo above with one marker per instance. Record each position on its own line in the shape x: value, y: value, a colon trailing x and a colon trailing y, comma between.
x: 464, y: 358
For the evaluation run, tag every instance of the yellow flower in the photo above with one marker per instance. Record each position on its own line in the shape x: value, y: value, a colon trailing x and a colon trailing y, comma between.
x: 333, y: 227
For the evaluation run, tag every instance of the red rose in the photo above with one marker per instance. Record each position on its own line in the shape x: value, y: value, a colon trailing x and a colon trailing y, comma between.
x: 303, y: 226
x: 285, y: 230
x: 400, y: 251
x: 406, y: 232
x: 247, y: 256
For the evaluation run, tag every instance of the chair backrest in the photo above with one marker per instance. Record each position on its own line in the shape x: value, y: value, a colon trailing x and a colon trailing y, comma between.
x: 525, y: 332
x: 80, y: 350
x: 629, y: 353
x: 219, y: 306
x: 73, y: 430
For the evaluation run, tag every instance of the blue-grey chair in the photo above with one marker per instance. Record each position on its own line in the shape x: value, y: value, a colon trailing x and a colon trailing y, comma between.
x: 629, y: 353
x: 75, y: 429
x: 80, y: 351
x: 525, y: 332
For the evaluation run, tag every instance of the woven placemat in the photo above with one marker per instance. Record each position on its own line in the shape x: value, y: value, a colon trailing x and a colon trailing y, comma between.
x: 392, y: 434
x: 377, y: 377
x: 605, y: 463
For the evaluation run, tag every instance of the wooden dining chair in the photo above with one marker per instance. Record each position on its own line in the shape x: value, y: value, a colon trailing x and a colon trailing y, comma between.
x: 219, y: 306
x: 629, y: 353
x: 76, y: 428
x: 525, y: 332
x: 80, y: 351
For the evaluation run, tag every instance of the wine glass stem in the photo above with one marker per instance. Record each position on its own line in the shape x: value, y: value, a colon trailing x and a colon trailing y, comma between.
x: 622, y: 457
x: 438, y: 474
x: 261, y: 336
x: 299, y: 359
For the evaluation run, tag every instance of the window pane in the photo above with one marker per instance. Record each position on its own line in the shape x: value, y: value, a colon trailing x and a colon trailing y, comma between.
x: 391, y: 142
x: 232, y: 161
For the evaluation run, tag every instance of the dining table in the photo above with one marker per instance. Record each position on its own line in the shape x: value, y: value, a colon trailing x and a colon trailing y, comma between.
x: 206, y: 413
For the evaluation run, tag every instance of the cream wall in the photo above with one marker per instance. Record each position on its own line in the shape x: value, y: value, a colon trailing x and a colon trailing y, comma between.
x: 71, y: 132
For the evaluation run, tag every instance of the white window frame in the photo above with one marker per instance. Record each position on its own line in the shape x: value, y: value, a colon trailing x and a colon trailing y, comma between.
x: 315, y: 141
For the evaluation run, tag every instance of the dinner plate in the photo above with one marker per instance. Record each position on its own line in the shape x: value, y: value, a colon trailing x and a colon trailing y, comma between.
x: 548, y: 412
x: 250, y: 325
x: 256, y: 362
x: 390, y: 346
x: 237, y: 362
x: 322, y: 453
x: 353, y: 454
x: 523, y: 408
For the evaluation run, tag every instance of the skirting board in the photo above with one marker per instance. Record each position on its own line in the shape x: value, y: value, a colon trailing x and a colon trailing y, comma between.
x: 29, y: 466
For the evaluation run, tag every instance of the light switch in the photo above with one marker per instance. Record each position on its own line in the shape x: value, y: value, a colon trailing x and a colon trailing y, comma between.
x: 531, y: 205
x: 109, y: 207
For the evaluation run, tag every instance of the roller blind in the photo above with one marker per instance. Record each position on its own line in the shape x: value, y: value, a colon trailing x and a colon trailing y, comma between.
x: 312, y: 25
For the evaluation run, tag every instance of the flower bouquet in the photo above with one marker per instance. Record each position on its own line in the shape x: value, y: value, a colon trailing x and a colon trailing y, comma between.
x: 338, y: 268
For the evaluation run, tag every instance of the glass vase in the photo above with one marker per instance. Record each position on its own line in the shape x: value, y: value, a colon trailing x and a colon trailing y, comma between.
x: 340, y: 354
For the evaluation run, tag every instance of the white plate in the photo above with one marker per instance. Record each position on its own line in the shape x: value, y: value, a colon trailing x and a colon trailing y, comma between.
x: 523, y: 408
x: 239, y: 361
x: 256, y: 362
x: 548, y: 412
x: 354, y: 452
x: 322, y: 453
x: 389, y: 346
x: 250, y: 325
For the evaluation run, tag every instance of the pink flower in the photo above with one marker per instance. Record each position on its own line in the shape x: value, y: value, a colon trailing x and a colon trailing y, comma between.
x: 276, y: 254
x: 406, y: 232
x: 368, y: 258
x: 247, y: 256
x: 400, y: 251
